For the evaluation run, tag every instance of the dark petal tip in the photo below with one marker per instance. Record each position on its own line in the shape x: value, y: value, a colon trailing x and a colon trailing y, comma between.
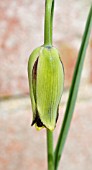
x: 37, y: 120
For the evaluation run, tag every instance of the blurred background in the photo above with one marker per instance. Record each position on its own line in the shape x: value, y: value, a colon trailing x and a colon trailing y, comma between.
x: 21, y: 30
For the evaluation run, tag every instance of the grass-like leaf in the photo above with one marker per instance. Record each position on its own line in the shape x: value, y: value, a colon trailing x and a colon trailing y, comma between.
x: 73, y: 91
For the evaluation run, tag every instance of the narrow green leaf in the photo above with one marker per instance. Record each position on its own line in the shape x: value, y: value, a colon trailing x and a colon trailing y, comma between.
x: 73, y: 91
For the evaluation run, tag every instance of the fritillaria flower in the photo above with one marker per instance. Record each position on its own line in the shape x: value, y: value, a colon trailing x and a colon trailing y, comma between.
x: 46, y: 80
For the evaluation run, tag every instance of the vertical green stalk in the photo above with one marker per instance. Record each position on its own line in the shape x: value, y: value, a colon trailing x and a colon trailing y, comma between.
x: 48, y: 28
x: 52, y: 14
x: 48, y: 24
x: 50, y: 152
x: 73, y: 91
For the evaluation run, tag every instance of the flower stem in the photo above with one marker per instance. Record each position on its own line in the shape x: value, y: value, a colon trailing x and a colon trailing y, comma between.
x: 48, y: 24
x: 48, y: 29
x: 50, y: 152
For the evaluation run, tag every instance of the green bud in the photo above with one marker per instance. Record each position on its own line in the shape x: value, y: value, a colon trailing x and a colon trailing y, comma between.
x: 46, y: 80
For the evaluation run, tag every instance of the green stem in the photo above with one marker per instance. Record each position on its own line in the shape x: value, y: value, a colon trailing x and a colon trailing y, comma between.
x: 50, y: 153
x: 48, y: 24
x: 73, y: 91
x: 48, y: 29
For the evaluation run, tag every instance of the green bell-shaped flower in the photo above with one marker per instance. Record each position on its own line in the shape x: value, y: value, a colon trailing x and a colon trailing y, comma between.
x: 46, y: 80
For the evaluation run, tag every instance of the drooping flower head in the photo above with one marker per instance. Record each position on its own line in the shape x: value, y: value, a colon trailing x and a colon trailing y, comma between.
x: 46, y: 80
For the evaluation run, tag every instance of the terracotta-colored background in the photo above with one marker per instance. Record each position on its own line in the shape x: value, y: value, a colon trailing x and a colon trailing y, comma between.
x: 21, y: 30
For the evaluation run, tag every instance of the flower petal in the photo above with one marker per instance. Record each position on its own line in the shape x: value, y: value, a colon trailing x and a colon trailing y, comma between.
x: 32, y: 59
x: 49, y: 86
